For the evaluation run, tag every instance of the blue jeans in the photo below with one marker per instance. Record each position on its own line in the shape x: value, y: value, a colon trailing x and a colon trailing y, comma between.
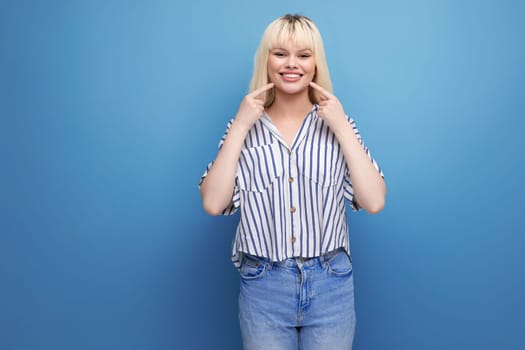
x: 297, y: 303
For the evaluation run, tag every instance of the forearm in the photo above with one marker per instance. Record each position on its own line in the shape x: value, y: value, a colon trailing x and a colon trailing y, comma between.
x: 217, y: 187
x: 367, y: 183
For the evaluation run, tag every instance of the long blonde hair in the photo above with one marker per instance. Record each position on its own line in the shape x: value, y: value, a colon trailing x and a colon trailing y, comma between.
x: 303, y: 32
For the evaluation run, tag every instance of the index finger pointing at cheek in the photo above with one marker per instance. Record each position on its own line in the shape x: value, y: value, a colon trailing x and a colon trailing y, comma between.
x: 262, y: 89
x: 321, y: 90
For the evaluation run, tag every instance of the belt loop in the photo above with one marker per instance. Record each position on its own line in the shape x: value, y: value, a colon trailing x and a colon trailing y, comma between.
x: 323, y: 260
x: 241, y: 257
x: 329, y: 255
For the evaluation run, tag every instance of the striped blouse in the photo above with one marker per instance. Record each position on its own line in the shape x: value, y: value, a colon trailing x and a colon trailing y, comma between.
x: 291, y: 200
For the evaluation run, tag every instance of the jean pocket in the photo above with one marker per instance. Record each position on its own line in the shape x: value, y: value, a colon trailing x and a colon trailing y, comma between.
x: 340, y: 264
x: 252, y: 267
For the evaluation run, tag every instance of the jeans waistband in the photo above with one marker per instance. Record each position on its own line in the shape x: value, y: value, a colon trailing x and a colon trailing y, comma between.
x: 294, y: 262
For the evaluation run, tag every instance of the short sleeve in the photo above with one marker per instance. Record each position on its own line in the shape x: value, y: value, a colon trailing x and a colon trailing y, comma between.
x: 347, y: 184
x: 234, y: 204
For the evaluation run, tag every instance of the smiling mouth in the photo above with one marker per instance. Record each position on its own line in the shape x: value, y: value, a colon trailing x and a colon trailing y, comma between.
x: 291, y: 75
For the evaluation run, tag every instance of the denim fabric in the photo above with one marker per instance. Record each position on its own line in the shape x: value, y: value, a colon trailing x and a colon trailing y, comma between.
x: 297, y: 303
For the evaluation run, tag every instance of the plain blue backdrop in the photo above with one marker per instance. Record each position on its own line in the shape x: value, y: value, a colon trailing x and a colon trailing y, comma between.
x: 110, y: 111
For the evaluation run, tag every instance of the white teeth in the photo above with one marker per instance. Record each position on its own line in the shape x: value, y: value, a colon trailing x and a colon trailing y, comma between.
x: 292, y: 75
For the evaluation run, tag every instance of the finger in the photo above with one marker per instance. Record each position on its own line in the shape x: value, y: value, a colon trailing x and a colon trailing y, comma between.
x: 324, y: 93
x: 260, y: 90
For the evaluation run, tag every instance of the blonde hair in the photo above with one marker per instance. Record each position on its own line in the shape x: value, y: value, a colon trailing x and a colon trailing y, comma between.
x: 303, y: 32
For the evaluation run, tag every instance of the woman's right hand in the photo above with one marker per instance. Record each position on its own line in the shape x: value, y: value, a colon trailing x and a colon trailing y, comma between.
x: 252, y: 107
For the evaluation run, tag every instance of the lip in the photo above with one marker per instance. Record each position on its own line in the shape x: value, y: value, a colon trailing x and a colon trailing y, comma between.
x: 290, y: 77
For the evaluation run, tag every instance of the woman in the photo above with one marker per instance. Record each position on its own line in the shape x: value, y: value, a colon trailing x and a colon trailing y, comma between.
x: 288, y: 160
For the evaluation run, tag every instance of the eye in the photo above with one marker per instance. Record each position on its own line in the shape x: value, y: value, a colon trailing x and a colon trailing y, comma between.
x: 305, y: 55
x: 279, y: 54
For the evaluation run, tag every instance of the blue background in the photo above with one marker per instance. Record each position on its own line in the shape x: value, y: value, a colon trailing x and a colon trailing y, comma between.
x: 110, y: 110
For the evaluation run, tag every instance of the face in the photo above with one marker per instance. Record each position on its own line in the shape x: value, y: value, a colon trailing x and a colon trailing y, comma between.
x: 291, y: 68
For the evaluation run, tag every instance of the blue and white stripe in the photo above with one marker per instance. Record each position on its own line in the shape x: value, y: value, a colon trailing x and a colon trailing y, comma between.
x: 291, y: 200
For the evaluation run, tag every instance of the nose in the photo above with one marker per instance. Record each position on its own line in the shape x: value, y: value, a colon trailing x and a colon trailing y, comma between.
x: 291, y: 62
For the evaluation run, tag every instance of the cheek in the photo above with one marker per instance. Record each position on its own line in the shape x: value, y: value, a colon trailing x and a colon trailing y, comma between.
x: 311, y: 68
x: 312, y: 72
x: 272, y: 65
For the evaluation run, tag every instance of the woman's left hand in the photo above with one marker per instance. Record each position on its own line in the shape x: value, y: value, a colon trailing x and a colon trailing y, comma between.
x: 330, y: 109
x: 367, y: 183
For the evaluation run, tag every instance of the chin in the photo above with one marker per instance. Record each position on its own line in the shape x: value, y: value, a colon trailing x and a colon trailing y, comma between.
x: 291, y: 90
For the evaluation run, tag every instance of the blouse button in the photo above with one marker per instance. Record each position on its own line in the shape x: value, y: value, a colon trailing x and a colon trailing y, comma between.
x: 290, y: 179
x: 293, y: 239
x: 292, y: 210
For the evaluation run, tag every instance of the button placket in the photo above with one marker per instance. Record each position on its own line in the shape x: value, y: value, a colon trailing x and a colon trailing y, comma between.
x: 288, y: 203
x: 294, y: 202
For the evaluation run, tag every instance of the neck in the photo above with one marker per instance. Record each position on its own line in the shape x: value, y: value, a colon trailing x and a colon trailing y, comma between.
x: 285, y: 105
